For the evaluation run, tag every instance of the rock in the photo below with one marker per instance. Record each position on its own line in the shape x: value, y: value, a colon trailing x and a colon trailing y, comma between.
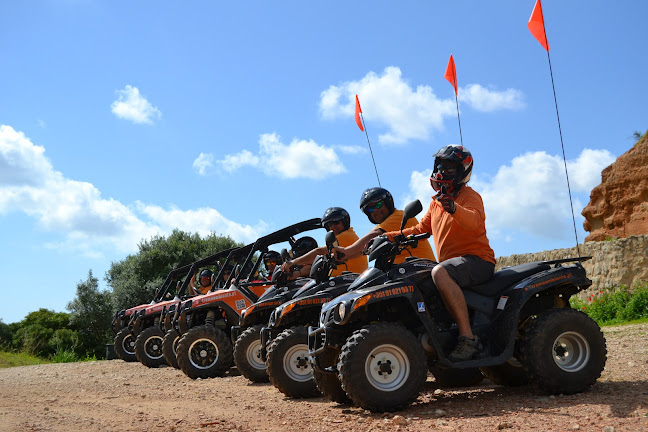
x: 504, y: 425
x: 608, y: 429
x: 399, y: 420
x: 618, y: 207
x: 439, y: 413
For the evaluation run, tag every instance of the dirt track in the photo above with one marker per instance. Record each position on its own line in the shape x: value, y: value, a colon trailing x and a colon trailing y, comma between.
x: 114, y: 395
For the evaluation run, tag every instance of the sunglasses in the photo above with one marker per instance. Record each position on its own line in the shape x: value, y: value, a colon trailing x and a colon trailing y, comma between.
x: 372, y: 208
x: 270, y: 262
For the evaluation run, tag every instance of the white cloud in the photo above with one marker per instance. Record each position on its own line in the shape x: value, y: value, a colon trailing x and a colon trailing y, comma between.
x: 389, y: 101
x: 530, y: 195
x: 299, y: 159
x: 352, y: 149
x: 203, y: 163
x: 77, y: 210
x: 488, y: 100
x: 131, y: 105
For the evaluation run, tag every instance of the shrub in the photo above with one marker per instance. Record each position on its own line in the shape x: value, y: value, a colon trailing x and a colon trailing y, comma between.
x: 616, y: 305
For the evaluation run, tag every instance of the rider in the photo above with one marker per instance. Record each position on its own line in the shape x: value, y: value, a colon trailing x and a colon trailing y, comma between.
x: 338, y: 220
x: 270, y: 260
x: 302, y: 247
x: 456, y: 219
x: 378, y: 204
x: 205, y: 282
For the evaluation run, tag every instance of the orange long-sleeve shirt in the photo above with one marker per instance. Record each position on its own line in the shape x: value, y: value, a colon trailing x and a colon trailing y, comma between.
x: 458, y: 234
x: 393, y: 221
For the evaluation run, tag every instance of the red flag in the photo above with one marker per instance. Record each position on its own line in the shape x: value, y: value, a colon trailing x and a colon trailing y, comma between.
x: 451, y: 74
x: 537, y: 27
x: 357, y: 114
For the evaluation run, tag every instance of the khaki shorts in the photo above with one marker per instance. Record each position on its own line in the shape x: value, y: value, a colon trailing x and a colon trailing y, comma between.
x: 468, y: 270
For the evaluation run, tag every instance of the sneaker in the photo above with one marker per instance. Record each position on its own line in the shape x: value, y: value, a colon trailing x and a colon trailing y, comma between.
x: 466, y: 349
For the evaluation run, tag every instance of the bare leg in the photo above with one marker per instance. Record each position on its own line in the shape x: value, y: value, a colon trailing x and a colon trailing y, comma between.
x: 453, y: 299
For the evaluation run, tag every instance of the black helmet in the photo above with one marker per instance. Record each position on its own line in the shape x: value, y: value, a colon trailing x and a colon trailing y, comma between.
x: 453, y: 182
x: 302, y: 246
x: 206, y: 273
x: 373, y: 195
x: 334, y: 214
x: 272, y: 255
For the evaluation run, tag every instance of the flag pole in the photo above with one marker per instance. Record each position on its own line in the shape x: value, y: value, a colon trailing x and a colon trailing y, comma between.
x: 538, y: 17
x: 370, y: 150
x: 459, y: 119
x: 451, y: 76
x: 359, y: 118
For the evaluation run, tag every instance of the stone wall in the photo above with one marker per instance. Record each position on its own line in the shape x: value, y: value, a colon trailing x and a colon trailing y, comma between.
x: 615, y: 262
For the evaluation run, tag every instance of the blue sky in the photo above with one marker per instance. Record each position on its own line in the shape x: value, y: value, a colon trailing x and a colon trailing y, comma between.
x: 121, y: 120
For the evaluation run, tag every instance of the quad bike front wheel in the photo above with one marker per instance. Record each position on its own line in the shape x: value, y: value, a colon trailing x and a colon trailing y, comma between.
x: 148, y: 347
x: 204, y: 352
x: 125, y: 345
x: 288, y: 366
x: 247, y: 355
x: 382, y: 367
x: 328, y: 383
x: 563, y: 350
x: 170, y: 347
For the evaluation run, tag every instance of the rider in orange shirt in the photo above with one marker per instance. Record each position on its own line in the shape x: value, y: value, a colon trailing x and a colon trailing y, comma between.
x: 378, y: 204
x: 456, y: 220
x: 338, y: 220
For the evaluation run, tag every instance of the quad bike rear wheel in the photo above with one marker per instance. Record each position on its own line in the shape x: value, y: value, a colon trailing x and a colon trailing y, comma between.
x: 148, y: 347
x: 288, y: 366
x: 204, y: 352
x: 125, y: 345
x: 563, y: 350
x: 170, y: 347
x: 382, y: 367
x: 247, y: 355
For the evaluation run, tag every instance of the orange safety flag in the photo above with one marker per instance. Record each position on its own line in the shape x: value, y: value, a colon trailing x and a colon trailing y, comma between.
x: 451, y: 74
x: 357, y: 114
x: 537, y: 27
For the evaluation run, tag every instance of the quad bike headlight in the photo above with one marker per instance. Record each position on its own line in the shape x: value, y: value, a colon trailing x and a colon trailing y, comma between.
x: 340, y: 312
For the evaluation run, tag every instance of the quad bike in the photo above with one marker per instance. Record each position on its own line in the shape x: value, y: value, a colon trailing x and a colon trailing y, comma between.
x: 380, y: 339
x: 205, y: 322
x: 122, y: 323
x: 170, y: 335
x: 284, y: 340
x: 246, y: 336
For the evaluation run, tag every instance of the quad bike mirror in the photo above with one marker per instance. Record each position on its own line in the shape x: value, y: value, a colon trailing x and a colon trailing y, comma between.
x: 411, y: 210
x: 330, y: 240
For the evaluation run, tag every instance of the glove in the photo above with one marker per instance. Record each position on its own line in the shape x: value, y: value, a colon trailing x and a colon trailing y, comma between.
x: 447, y: 201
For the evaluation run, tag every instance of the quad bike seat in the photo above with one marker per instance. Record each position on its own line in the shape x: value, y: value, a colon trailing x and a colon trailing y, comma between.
x: 508, y: 276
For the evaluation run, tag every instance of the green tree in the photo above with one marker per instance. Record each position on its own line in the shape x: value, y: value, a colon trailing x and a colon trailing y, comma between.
x: 34, y: 333
x: 6, y: 338
x: 135, y: 278
x: 90, y: 315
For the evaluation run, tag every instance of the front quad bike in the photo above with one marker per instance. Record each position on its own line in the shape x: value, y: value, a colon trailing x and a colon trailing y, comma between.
x: 205, y: 324
x: 247, y: 335
x: 284, y: 340
x: 385, y: 332
x: 123, y: 320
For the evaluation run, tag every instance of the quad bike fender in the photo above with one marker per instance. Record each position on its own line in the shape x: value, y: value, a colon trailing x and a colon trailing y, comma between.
x: 282, y: 314
x: 258, y: 312
x: 388, y: 293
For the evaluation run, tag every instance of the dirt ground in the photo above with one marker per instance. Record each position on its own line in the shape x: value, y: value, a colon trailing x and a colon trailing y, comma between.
x: 119, y: 396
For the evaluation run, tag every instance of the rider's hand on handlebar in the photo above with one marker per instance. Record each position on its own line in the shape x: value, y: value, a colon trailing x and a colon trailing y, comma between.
x: 285, y: 267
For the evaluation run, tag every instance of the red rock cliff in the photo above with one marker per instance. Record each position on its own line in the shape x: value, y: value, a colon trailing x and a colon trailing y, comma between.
x: 618, y: 207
